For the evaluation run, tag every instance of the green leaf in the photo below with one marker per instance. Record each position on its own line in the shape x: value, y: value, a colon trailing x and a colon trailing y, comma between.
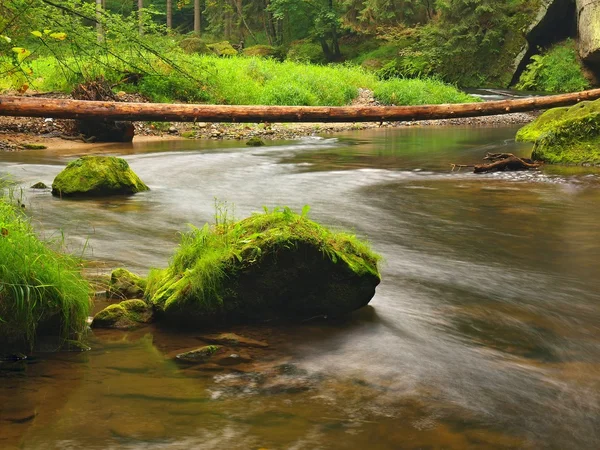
x: 21, y: 52
x: 37, y: 33
x: 6, y: 38
x: 59, y: 36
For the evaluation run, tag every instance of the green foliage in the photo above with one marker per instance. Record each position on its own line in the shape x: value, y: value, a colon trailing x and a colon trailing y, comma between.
x: 557, y: 70
x: 419, y: 92
x: 38, y: 285
x: 306, y: 52
x: 207, y: 256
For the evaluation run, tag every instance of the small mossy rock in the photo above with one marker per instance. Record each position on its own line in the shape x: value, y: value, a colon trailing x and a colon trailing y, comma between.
x: 124, y: 315
x: 199, y: 355
x: 255, y: 142
x: 277, y: 265
x: 233, y: 340
x: 263, y: 51
x: 194, y: 45
x: 125, y: 284
x: 39, y: 185
x: 34, y: 146
x: 568, y: 135
x: 223, y: 48
x: 97, y: 176
x: 188, y: 134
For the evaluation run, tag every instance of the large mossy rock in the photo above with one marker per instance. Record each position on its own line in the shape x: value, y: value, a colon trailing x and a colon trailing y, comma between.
x: 268, y: 266
x: 568, y: 135
x: 97, y: 176
x: 124, y: 315
x: 223, y: 49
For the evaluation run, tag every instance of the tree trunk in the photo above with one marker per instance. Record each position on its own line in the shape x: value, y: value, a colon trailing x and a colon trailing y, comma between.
x: 169, y: 14
x: 197, y: 18
x: 99, y: 28
x: 140, y: 17
x: 77, y: 109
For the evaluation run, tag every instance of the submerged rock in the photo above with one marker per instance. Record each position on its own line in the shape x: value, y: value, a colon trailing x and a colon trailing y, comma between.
x: 124, y: 315
x: 199, y: 355
x: 39, y: 185
x: 125, y: 284
x: 97, y: 176
x: 568, y: 135
x: 233, y: 340
x: 268, y: 266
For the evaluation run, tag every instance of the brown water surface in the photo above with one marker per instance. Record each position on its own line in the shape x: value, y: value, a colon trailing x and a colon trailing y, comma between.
x: 485, y: 332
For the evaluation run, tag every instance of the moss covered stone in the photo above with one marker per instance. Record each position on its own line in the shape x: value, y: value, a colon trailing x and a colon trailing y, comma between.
x: 194, y: 45
x: 263, y: 51
x: 223, y: 49
x: 199, y: 355
x: 97, y: 176
x: 268, y: 266
x: 125, y: 284
x: 255, y: 142
x: 569, y: 135
x: 127, y: 314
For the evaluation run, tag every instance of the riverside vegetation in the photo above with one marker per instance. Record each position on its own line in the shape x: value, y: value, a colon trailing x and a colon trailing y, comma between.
x: 281, y: 50
x: 42, y: 292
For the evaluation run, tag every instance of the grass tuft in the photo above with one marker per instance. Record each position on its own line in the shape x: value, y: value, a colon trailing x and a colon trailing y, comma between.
x: 39, y: 287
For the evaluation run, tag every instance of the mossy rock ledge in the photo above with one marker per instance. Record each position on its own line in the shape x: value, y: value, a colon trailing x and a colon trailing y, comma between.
x: 568, y: 135
x: 97, y: 176
x: 124, y: 284
x: 277, y: 265
x: 124, y: 315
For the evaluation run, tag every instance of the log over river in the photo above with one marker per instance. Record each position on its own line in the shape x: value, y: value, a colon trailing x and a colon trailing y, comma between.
x: 484, y: 333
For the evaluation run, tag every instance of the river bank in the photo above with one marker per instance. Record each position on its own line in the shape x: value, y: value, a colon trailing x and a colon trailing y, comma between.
x: 18, y: 133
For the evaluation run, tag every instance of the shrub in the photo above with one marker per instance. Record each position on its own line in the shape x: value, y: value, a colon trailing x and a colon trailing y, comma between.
x: 557, y: 70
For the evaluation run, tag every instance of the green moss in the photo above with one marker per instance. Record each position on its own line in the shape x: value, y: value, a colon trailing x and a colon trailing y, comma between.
x: 34, y: 146
x: 273, y: 264
x: 42, y: 291
x: 127, y: 314
x: 255, y: 142
x: 194, y: 45
x: 125, y: 284
x: 223, y: 49
x: 97, y: 175
x: 569, y: 135
x: 199, y: 355
x: 188, y: 134
x: 263, y: 51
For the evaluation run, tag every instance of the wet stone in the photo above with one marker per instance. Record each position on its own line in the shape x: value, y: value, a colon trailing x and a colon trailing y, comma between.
x: 199, y: 355
x: 233, y: 340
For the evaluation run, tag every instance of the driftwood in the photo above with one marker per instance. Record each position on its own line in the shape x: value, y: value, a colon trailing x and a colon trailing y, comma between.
x: 110, y: 110
x: 501, y: 162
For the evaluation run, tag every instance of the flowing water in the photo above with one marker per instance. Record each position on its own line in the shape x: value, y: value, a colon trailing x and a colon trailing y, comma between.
x: 484, y: 333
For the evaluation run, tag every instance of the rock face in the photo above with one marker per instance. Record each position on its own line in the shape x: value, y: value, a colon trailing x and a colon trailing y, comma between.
x: 269, y: 266
x: 569, y: 135
x: 124, y: 315
x: 588, y: 14
x: 97, y: 176
x: 125, y: 285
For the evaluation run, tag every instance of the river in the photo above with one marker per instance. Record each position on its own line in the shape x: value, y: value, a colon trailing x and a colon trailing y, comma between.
x: 484, y: 333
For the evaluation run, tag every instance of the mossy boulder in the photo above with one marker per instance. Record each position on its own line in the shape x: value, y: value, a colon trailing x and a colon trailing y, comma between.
x: 277, y: 265
x: 97, y: 176
x: 194, y: 45
x: 223, y: 49
x: 124, y: 315
x: 125, y: 284
x: 568, y: 135
x: 255, y: 141
x: 262, y: 51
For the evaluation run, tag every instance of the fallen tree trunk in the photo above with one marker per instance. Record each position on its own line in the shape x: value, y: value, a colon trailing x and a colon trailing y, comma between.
x: 78, y: 109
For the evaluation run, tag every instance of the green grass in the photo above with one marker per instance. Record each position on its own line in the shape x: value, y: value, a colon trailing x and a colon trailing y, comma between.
x: 39, y: 286
x: 415, y: 91
x: 208, y: 258
x: 557, y: 70
x: 235, y: 81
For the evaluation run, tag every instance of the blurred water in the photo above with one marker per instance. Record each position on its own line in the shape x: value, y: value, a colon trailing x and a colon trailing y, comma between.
x: 483, y: 334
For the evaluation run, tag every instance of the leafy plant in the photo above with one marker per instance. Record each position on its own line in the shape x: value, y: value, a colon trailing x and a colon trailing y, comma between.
x: 556, y: 70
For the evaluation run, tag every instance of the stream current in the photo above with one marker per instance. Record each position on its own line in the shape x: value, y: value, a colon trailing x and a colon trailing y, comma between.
x: 484, y: 333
